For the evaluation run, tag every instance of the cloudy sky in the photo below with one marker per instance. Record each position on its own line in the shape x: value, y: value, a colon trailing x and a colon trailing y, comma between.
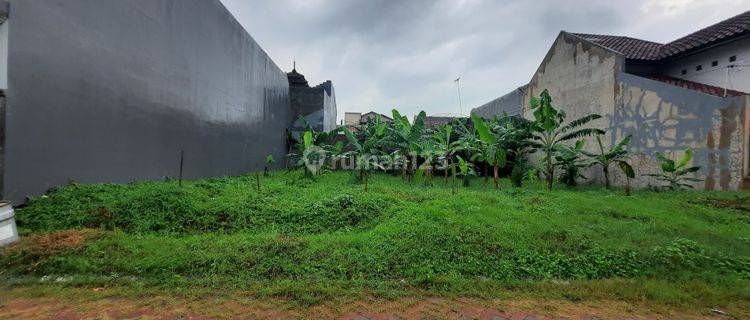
x: 382, y: 54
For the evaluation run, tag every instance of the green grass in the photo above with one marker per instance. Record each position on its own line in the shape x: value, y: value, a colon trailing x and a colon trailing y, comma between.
x: 314, y: 239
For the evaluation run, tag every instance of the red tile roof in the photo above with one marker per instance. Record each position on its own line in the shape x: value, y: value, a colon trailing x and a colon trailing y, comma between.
x: 733, y: 26
x: 631, y: 48
x: 638, y: 49
x: 707, y: 89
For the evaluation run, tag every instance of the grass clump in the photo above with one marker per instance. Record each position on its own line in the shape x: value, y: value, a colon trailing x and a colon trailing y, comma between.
x: 396, y: 238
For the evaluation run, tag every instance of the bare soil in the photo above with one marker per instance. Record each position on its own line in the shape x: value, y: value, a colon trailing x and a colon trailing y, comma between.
x: 162, y: 307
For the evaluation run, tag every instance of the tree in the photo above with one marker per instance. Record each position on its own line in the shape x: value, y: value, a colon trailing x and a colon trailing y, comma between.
x: 551, y: 133
x: 464, y: 170
x: 308, y: 155
x: 675, y: 173
x: 444, y: 147
x: 492, y: 148
x: 366, y: 153
x: 406, y: 138
x: 311, y: 148
x: 617, y: 155
x: 518, y: 141
x: 428, y: 149
x: 570, y: 161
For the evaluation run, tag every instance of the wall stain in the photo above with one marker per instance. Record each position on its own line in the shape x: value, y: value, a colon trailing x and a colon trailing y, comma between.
x: 711, y: 167
x: 728, y: 127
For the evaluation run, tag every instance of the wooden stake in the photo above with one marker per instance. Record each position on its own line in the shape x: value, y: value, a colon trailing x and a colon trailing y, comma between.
x: 257, y: 180
x: 182, y: 160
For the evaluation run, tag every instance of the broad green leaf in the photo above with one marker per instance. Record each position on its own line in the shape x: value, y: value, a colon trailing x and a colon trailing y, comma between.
x: 308, y: 139
x: 627, y: 169
x: 685, y: 159
x: 484, y: 131
x: 380, y: 129
x: 501, y: 158
x: 533, y: 103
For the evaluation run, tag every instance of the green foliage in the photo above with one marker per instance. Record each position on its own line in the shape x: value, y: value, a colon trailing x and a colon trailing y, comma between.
x: 675, y: 173
x: 616, y: 155
x: 570, y: 160
x: 492, y: 146
x: 463, y: 170
x: 270, y: 159
x: 407, y: 139
x: 551, y: 133
x: 366, y: 152
x: 221, y: 233
x: 487, y: 144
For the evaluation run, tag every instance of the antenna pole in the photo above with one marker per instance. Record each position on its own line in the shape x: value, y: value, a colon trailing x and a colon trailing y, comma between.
x: 460, y: 106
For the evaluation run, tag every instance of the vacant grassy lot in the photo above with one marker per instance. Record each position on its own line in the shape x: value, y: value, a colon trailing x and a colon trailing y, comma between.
x: 312, y: 240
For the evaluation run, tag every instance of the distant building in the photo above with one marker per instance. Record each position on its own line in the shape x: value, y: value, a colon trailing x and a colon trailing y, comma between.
x: 316, y: 104
x: 353, y: 119
x: 690, y: 92
x: 434, y: 121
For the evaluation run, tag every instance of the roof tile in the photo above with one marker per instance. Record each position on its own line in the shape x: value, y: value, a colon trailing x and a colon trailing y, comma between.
x: 639, y: 49
x: 631, y: 48
x: 704, y: 88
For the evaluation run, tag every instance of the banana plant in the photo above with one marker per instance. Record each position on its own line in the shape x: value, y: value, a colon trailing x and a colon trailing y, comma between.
x: 334, y: 153
x: 570, y: 161
x: 367, y: 152
x: 550, y: 131
x: 269, y: 162
x: 463, y: 170
x: 674, y: 173
x: 491, y: 150
x: 445, y: 147
x: 617, y: 155
x: 310, y: 145
x: 431, y: 155
x: 394, y: 160
x: 517, y: 137
x: 310, y: 157
x: 406, y: 138
x: 468, y: 142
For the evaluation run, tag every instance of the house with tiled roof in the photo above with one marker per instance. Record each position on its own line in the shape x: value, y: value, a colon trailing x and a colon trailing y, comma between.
x: 690, y: 92
x: 354, y: 119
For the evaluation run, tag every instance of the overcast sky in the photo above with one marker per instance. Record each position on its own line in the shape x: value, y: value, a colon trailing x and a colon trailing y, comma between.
x: 382, y: 54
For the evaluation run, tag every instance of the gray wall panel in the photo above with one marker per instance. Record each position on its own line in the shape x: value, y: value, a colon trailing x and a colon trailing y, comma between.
x: 511, y: 103
x: 112, y: 90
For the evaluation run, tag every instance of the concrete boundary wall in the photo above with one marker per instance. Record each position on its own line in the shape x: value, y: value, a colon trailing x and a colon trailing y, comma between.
x: 666, y: 118
x: 510, y: 103
x: 113, y: 91
x: 585, y: 78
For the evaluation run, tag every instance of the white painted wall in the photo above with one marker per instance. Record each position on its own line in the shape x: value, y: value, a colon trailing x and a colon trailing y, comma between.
x: 736, y: 78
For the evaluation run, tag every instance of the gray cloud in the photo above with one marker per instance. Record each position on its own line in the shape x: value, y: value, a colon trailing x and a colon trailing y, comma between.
x: 382, y: 54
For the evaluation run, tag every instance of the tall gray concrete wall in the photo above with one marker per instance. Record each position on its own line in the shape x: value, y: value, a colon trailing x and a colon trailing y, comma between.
x: 112, y: 91
x: 511, y: 103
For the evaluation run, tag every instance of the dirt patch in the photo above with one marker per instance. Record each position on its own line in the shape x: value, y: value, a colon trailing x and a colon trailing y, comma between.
x: 737, y: 203
x: 32, y: 250
x: 403, y: 308
x: 49, y: 244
